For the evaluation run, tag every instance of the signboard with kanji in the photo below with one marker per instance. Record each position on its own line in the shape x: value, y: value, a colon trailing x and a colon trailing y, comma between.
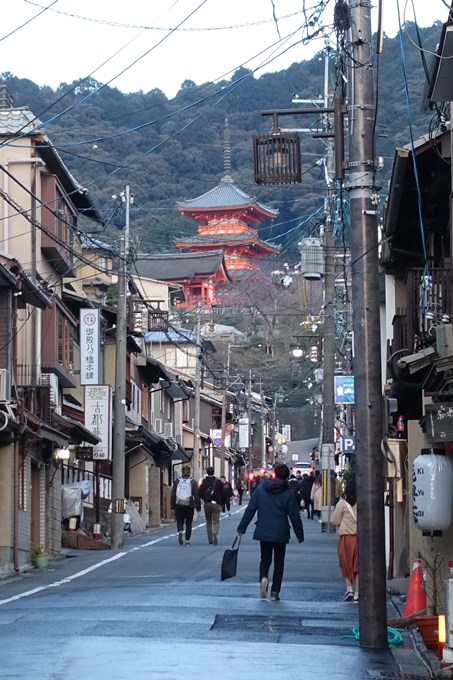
x: 98, y: 418
x: 243, y: 433
x: 89, y: 346
x: 84, y: 453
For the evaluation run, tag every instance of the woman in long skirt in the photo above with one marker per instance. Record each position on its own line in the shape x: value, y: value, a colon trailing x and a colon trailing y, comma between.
x: 345, y: 517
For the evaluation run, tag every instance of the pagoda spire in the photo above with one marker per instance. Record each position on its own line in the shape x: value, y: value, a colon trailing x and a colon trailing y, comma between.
x: 227, y: 154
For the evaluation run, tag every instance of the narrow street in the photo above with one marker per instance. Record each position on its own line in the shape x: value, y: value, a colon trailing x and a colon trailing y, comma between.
x: 157, y: 609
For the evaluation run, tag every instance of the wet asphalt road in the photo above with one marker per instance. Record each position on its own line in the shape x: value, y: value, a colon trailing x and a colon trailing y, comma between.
x: 158, y: 610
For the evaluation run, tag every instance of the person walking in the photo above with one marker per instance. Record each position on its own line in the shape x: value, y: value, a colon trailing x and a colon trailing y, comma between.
x: 306, y: 494
x: 213, y: 495
x: 338, y: 489
x: 274, y: 502
x: 229, y: 493
x: 184, y: 500
x: 240, y: 486
x: 254, y: 485
x: 345, y: 517
x: 316, y: 497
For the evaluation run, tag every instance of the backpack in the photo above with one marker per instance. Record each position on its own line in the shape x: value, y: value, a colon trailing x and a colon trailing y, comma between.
x: 184, y: 491
x: 210, y: 492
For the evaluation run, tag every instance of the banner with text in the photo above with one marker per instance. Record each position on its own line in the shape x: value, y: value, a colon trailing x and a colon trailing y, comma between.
x: 90, y: 345
x: 98, y: 418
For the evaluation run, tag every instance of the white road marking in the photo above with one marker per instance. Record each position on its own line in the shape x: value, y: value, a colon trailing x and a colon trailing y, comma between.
x: 68, y: 579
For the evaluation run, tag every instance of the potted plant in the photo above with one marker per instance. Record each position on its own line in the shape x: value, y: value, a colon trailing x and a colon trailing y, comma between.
x: 433, y: 563
x: 38, y: 555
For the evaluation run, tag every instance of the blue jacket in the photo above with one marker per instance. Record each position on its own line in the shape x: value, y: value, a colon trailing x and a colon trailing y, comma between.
x: 275, y: 503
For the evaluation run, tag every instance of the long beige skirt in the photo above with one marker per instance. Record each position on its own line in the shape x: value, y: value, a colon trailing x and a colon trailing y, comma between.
x: 348, y: 556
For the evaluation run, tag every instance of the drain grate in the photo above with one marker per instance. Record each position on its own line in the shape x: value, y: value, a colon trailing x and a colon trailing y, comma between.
x: 268, y: 624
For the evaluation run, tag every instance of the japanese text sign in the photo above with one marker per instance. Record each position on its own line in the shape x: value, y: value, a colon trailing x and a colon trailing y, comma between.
x: 98, y: 418
x: 89, y: 346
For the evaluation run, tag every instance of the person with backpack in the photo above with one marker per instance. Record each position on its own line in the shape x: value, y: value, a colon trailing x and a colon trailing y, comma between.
x: 229, y: 493
x: 213, y: 495
x: 184, y: 500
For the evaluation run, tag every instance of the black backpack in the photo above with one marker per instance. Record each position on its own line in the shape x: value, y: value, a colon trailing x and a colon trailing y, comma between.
x: 210, y: 492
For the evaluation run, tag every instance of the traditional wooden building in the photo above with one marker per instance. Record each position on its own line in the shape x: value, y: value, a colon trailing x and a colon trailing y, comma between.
x: 226, y: 215
x: 199, y: 274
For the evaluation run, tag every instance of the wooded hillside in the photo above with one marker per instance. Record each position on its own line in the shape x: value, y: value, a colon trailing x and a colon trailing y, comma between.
x: 173, y: 149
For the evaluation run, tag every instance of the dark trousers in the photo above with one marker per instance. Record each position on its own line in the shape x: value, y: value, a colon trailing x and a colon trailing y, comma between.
x: 279, y: 550
x: 184, y: 513
x: 227, y: 505
x: 240, y: 494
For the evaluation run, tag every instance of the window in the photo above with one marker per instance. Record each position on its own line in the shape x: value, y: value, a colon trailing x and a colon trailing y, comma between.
x: 162, y: 400
x: 102, y: 263
x: 63, y: 219
x: 65, y: 342
x: 145, y: 401
x: 185, y: 411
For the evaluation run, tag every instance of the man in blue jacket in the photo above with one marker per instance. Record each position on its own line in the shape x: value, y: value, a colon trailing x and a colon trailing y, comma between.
x: 275, y: 503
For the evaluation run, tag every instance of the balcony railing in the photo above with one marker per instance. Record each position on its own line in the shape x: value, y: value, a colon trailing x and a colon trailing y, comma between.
x: 425, y: 293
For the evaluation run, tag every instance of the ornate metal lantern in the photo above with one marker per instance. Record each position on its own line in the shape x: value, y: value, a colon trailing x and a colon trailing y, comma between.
x: 277, y: 157
x: 157, y: 320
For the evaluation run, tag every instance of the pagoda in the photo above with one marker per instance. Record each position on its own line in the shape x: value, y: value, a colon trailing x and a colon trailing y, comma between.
x: 225, y: 215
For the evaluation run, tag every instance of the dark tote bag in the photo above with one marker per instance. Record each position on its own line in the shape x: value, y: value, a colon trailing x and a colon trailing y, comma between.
x: 230, y: 561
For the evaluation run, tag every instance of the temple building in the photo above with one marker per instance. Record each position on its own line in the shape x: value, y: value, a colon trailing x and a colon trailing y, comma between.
x: 226, y: 215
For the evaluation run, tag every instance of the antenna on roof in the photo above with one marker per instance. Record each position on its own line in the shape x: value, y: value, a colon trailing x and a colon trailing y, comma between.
x: 226, y: 153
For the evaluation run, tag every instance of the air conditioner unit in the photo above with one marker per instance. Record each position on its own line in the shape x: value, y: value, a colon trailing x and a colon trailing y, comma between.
x: 168, y: 430
x: 158, y: 425
x: 51, y: 380
x: 179, y: 439
x: 5, y: 385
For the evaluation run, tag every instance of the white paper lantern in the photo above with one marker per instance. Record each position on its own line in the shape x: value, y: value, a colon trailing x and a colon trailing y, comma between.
x: 432, y: 477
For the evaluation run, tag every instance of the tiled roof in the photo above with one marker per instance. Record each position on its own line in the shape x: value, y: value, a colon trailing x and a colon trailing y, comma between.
x: 224, y: 195
x: 19, y: 121
x: 15, y: 122
x: 179, y: 266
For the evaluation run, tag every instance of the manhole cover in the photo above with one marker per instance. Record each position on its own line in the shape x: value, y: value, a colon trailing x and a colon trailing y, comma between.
x: 269, y: 624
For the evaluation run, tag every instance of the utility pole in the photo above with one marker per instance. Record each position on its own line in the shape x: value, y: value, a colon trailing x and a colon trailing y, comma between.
x: 119, y: 428
x: 224, y: 410
x: 328, y: 408
x: 367, y: 349
x: 196, y: 419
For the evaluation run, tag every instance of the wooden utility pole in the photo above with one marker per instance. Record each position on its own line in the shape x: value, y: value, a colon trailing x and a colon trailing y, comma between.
x: 367, y: 347
x: 197, y: 396
x: 119, y: 426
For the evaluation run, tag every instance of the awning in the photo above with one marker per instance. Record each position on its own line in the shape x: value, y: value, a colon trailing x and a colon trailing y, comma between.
x: 158, y: 446
x: 75, y: 429
x: 181, y: 454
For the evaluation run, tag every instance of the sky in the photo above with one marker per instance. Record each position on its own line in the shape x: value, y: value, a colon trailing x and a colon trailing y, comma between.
x: 75, y: 38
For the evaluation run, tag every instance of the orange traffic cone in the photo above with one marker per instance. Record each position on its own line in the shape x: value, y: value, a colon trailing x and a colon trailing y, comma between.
x: 416, y: 595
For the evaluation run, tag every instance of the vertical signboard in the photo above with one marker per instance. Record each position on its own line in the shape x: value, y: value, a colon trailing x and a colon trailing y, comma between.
x: 98, y: 418
x: 243, y: 433
x: 89, y: 346
x: 344, y: 389
x: 286, y: 432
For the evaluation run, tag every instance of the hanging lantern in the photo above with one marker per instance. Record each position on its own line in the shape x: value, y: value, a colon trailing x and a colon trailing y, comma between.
x: 157, y: 320
x: 277, y: 157
x: 432, y: 491
x: 312, y: 259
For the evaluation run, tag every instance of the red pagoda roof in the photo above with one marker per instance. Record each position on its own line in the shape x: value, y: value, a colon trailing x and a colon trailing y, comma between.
x: 227, y: 199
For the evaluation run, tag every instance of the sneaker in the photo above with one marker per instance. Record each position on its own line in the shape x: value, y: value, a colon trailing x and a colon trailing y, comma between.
x: 263, y: 587
x: 180, y: 539
x: 229, y: 514
x: 274, y: 597
x: 356, y: 598
x: 214, y: 539
x: 187, y: 542
x: 349, y: 596
x: 320, y: 521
